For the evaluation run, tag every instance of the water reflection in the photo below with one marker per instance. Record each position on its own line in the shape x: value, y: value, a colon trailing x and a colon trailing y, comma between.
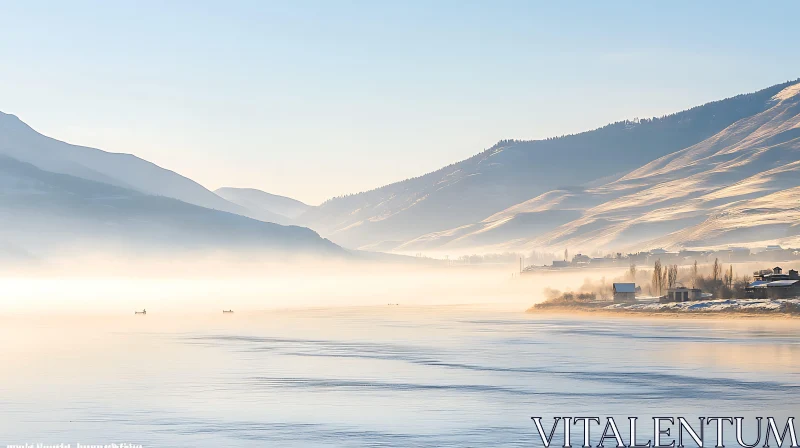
x: 375, y: 376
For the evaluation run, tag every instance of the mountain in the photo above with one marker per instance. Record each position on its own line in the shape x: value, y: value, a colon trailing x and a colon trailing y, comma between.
x: 19, y: 141
x: 264, y: 206
x: 453, y: 201
x: 739, y: 186
x: 45, y: 212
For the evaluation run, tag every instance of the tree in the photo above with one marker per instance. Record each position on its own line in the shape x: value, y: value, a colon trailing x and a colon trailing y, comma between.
x: 730, y: 277
x: 716, y: 271
x: 632, y: 271
x: 694, y: 274
x: 740, y: 286
x: 566, y: 255
x: 672, y: 276
x: 725, y: 279
x: 657, y: 282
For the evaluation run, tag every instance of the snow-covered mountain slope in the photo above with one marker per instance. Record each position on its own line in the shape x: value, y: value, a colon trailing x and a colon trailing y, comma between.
x: 19, y: 141
x: 452, y: 203
x: 738, y: 186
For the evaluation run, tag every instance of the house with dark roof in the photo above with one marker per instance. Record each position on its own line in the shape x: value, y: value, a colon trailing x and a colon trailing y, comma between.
x: 624, y: 292
x: 774, y: 284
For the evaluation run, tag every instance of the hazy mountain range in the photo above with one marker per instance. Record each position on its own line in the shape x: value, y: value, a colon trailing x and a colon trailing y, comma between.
x: 264, y: 206
x: 54, y: 195
x: 664, y: 181
x: 723, y: 173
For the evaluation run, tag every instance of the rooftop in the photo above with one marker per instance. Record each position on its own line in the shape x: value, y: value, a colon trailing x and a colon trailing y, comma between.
x: 783, y: 283
x: 624, y: 287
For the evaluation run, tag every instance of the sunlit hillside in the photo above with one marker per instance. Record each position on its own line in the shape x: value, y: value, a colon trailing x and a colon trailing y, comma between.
x: 455, y: 200
x: 737, y: 187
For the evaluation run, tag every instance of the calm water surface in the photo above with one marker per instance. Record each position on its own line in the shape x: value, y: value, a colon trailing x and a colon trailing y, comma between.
x: 375, y: 376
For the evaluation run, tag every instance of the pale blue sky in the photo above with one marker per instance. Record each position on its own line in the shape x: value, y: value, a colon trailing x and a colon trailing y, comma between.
x: 316, y: 99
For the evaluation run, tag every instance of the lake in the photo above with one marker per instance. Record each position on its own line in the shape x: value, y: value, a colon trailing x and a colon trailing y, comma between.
x: 377, y: 376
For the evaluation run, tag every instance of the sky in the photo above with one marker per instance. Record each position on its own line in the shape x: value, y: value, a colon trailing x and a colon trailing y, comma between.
x: 314, y: 99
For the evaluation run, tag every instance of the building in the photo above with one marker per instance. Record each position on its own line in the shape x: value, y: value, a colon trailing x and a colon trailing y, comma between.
x: 683, y: 294
x: 783, y: 289
x: 666, y: 257
x: 600, y: 261
x: 581, y: 258
x: 775, y: 274
x: 739, y: 254
x: 774, y: 284
x: 639, y: 258
x: 690, y: 256
x: 778, y: 289
x: 775, y: 253
x: 624, y: 292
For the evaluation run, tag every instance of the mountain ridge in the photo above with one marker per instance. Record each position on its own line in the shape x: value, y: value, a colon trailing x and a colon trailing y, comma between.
x: 678, y: 194
x: 605, y: 186
x: 45, y: 212
x: 263, y: 205
x: 20, y: 141
x: 513, y: 171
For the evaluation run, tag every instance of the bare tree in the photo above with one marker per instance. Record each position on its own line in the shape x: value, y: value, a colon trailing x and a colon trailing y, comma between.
x: 657, y: 282
x: 694, y: 274
x: 672, y: 276
x: 730, y: 277
x: 716, y: 271
x: 632, y: 271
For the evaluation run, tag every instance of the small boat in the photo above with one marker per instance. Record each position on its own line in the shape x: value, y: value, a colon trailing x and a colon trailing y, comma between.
x: 140, y: 312
x: 227, y: 311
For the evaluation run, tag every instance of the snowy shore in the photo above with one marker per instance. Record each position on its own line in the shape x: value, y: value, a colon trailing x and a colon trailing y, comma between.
x: 717, y: 305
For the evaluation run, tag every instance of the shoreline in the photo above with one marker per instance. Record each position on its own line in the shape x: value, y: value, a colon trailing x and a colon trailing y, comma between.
x: 666, y: 314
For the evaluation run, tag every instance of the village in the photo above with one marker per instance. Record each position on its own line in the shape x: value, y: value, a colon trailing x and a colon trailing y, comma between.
x: 767, y: 284
x: 771, y: 253
x: 668, y: 288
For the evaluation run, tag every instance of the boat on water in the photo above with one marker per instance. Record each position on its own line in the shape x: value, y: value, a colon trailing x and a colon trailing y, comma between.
x: 140, y: 312
x: 227, y: 311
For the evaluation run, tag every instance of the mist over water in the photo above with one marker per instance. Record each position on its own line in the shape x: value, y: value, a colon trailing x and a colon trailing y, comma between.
x: 88, y: 286
x: 410, y: 376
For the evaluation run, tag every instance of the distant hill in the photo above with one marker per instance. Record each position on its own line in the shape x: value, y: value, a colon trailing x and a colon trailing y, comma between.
x: 44, y: 212
x: 263, y: 205
x: 739, y: 186
x: 512, y: 172
x: 19, y: 141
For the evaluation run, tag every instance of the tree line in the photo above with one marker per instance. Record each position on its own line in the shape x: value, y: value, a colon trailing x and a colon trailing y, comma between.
x: 720, y: 281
